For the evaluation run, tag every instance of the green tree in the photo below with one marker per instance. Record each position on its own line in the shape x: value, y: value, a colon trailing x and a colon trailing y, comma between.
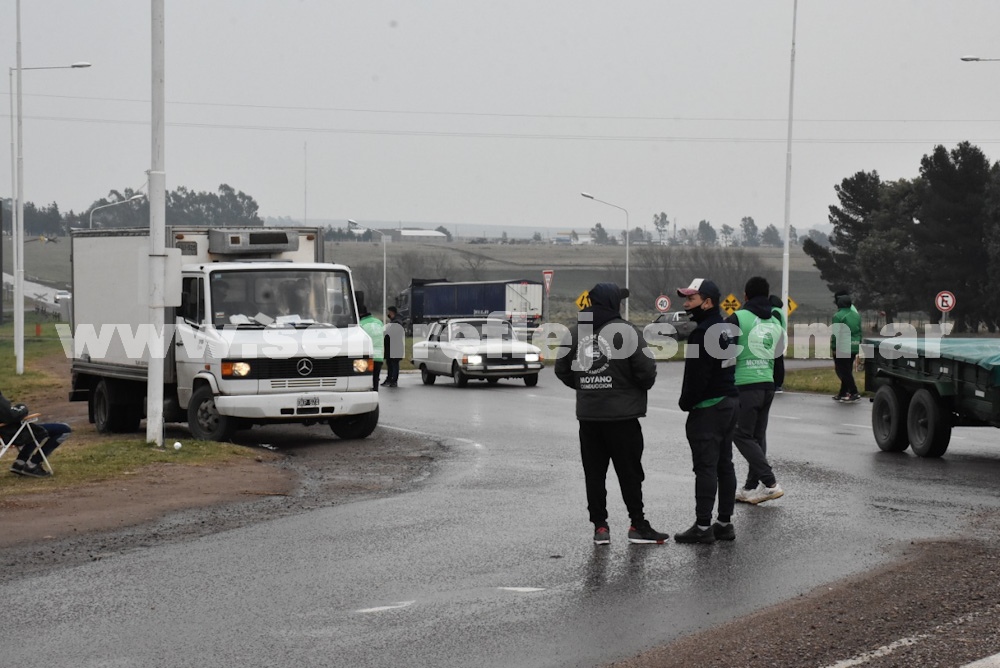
x: 727, y: 235
x: 598, y: 234
x: 706, y: 235
x: 661, y: 224
x: 751, y: 237
x: 771, y: 236
x: 443, y: 230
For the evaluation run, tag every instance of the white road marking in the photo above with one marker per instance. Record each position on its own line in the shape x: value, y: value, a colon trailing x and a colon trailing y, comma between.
x: 988, y: 662
x: 383, y: 608
x: 880, y: 652
x: 785, y: 417
x: 857, y: 426
x: 521, y: 590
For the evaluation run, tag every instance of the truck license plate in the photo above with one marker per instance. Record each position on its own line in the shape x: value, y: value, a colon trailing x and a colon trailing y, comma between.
x: 308, y: 402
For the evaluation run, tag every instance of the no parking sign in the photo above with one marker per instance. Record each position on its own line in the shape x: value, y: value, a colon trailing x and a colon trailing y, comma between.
x: 945, y: 301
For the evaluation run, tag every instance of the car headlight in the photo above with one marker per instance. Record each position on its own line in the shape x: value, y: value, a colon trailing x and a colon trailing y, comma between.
x: 474, y: 359
x: 363, y: 365
x: 235, y: 369
x: 532, y: 357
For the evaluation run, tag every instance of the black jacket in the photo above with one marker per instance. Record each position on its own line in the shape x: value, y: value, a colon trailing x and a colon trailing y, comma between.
x: 610, y: 384
x: 707, y: 376
x: 11, y: 416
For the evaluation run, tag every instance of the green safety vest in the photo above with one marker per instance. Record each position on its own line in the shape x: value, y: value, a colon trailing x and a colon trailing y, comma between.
x: 758, y: 341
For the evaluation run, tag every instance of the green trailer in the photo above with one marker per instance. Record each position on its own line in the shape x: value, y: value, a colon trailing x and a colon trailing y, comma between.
x: 924, y: 387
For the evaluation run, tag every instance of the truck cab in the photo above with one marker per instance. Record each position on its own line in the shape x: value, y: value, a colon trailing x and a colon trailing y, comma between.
x: 264, y: 333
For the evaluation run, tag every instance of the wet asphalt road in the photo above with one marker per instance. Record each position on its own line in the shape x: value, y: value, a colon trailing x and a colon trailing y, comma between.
x: 489, y: 562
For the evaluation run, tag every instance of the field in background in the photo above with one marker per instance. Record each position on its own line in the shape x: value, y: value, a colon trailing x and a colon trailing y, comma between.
x: 577, y: 268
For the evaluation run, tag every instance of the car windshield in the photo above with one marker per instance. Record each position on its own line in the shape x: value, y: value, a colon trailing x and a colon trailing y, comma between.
x: 481, y: 330
x: 282, y: 298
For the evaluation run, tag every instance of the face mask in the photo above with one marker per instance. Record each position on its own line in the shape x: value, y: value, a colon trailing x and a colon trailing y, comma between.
x: 697, y: 313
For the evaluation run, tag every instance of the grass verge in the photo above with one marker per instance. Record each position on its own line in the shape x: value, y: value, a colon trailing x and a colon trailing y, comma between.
x: 81, y: 464
x: 820, y: 380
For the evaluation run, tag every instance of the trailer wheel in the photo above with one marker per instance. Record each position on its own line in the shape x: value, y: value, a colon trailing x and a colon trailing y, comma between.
x: 355, y: 426
x: 927, y: 425
x: 426, y: 376
x: 111, y: 415
x: 531, y: 380
x: 889, y: 420
x: 204, y: 420
x: 458, y: 377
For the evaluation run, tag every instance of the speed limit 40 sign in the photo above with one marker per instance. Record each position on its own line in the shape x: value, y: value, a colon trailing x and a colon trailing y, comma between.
x: 945, y: 301
x: 663, y: 303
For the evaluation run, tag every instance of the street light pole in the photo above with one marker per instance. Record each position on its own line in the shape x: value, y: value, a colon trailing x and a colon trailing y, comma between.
x: 785, y: 259
x: 105, y: 206
x: 17, y: 230
x: 620, y: 208
x: 353, y: 225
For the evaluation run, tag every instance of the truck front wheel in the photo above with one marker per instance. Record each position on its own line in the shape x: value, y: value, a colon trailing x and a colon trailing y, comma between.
x: 927, y: 425
x: 889, y: 419
x: 111, y: 415
x: 204, y: 420
x: 355, y: 426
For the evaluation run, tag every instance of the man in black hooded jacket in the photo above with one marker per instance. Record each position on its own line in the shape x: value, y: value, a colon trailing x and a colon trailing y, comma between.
x: 605, y: 359
x: 709, y: 397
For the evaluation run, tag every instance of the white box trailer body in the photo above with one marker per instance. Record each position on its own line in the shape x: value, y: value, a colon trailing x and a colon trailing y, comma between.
x: 263, y: 332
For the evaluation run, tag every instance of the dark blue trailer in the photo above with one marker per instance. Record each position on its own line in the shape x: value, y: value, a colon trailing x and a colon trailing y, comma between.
x: 424, y: 301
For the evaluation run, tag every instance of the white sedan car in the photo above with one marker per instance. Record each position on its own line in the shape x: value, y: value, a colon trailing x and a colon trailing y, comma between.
x: 476, y: 348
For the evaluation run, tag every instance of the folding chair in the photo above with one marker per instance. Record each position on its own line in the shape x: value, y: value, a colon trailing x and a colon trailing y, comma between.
x: 5, y: 444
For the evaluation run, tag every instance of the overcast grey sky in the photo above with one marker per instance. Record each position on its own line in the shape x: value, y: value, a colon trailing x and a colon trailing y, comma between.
x: 501, y: 113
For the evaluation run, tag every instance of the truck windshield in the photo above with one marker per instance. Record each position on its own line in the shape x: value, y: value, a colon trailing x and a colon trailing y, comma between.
x: 282, y: 298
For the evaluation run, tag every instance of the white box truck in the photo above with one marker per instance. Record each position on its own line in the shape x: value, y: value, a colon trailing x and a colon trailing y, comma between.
x: 262, y: 332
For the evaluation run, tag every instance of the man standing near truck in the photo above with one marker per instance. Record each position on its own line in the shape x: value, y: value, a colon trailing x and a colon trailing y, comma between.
x: 394, y: 344
x: 376, y: 332
x: 845, y: 342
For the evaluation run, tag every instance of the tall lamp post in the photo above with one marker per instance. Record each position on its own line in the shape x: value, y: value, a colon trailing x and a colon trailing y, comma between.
x: 620, y: 208
x: 353, y: 225
x: 17, y: 231
x: 785, y: 262
x: 133, y: 198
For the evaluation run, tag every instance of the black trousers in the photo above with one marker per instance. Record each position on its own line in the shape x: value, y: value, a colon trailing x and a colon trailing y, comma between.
x: 375, y: 374
x: 392, y: 370
x: 844, y: 367
x: 618, y: 442
x: 751, y: 435
x: 710, y: 435
x: 779, y: 371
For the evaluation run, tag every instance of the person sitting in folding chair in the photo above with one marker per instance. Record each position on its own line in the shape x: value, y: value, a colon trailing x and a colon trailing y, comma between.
x: 35, y: 442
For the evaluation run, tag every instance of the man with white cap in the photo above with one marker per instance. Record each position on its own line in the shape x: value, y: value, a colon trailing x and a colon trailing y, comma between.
x: 709, y: 396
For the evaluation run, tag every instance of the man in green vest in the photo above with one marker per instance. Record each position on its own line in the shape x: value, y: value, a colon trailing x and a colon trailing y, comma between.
x: 759, y: 343
x: 845, y: 342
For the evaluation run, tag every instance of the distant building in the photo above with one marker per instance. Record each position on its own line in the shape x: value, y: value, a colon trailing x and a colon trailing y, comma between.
x: 418, y: 235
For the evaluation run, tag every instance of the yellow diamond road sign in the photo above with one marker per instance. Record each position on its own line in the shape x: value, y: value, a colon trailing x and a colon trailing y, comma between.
x: 791, y: 306
x: 730, y: 304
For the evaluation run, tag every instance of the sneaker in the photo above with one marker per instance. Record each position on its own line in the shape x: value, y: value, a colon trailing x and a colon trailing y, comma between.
x: 646, y: 534
x: 743, y: 494
x: 393, y: 384
x: 839, y: 397
x: 386, y: 383
x: 602, y: 536
x: 764, y: 493
x: 18, y: 467
x: 696, y: 535
x: 724, y: 531
x: 852, y: 399
x: 35, y: 471
x: 778, y: 390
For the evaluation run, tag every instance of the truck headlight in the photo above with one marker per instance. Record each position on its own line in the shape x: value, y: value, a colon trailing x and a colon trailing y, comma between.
x: 363, y: 365
x: 532, y: 357
x: 235, y: 369
x: 474, y: 359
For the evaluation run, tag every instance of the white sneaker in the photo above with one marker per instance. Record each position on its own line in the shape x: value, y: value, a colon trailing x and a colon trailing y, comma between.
x: 764, y: 493
x: 743, y: 494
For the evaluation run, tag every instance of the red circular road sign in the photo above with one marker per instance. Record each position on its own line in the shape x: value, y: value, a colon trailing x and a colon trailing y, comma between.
x: 663, y: 303
x: 945, y: 301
